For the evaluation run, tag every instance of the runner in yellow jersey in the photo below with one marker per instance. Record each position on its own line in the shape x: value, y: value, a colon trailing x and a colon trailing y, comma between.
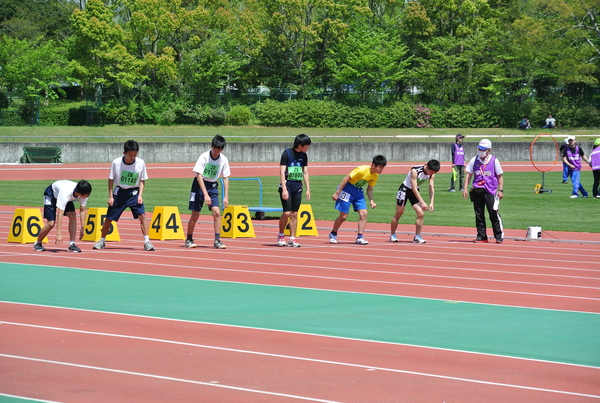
x: 351, y: 192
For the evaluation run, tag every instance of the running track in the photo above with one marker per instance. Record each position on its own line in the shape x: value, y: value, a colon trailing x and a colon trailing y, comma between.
x: 446, y: 321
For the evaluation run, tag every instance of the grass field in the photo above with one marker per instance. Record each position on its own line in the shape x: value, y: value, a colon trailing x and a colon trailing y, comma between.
x: 520, y: 208
x: 258, y: 134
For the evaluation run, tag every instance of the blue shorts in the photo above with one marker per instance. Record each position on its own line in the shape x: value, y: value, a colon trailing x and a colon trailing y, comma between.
x: 197, y: 197
x: 294, y: 200
x: 124, y: 198
x: 350, y: 194
x: 50, y: 205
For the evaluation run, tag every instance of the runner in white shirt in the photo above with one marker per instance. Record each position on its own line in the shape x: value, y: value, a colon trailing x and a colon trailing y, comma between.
x: 126, y: 182
x: 58, y: 201
x: 210, y: 166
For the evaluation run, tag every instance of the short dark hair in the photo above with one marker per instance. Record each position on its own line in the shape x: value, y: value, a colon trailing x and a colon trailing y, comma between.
x: 131, y: 145
x: 434, y: 165
x: 218, y: 142
x: 379, y: 160
x: 301, y: 140
x: 83, y: 187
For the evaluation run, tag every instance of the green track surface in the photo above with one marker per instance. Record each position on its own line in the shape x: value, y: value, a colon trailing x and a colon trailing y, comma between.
x: 559, y: 336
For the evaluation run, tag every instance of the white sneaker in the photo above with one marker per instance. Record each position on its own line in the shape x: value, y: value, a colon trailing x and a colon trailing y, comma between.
x: 148, y: 246
x: 361, y: 241
x: 418, y: 239
x: 219, y: 245
x: 573, y: 197
x: 332, y: 238
x: 99, y: 245
x: 292, y: 243
x: 393, y: 238
x: 189, y: 243
x: 281, y: 241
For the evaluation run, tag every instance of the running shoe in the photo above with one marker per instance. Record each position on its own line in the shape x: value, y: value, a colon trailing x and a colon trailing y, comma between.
x: 292, y: 243
x: 38, y: 247
x: 219, y: 245
x: 190, y: 243
x: 361, y: 241
x: 418, y: 239
x: 281, y: 241
x: 73, y: 248
x: 499, y: 240
x: 451, y: 190
x: 480, y: 240
x: 393, y: 238
x: 148, y: 246
x: 99, y: 245
x: 332, y: 238
x: 573, y: 196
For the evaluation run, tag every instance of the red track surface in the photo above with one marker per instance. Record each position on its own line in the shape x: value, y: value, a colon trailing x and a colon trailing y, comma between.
x: 69, y: 355
x: 184, y: 170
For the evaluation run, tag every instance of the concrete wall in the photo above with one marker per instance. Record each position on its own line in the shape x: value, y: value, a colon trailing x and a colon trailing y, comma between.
x: 271, y: 151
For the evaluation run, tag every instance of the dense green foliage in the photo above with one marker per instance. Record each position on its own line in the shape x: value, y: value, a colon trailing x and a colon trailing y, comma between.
x: 392, y: 63
x: 520, y: 207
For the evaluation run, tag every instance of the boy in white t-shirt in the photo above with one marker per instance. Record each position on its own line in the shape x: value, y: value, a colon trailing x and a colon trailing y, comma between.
x: 210, y: 166
x: 126, y: 182
x: 58, y: 201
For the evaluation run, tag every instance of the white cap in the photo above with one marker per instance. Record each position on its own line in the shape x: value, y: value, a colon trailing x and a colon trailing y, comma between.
x: 567, y: 139
x: 485, y: 144
x: 571, y: 138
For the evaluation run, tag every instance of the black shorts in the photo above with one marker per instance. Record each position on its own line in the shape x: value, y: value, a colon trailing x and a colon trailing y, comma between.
x: 124, y: 198
x: 405, y: 194
x: 294, y: 200
x: 50, y: 205
x: 197, y: 197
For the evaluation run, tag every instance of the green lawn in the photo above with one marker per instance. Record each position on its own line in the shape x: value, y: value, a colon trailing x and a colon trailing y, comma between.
x: 259, y: 134
x: 520, y: 208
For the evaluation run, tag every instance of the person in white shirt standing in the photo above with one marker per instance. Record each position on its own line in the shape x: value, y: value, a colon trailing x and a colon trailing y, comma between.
x: 211, y: 166
x: 58, y: 201
x: 126, y: 182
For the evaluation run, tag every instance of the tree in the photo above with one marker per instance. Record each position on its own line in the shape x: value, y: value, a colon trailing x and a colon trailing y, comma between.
x: 31, y: 68
x: 370, y: 60
x: 33, y: 19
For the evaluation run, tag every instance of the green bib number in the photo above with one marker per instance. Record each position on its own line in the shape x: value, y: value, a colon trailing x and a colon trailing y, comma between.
x: 129, y: 178
x: 295, y: 173
x: 210, y: 171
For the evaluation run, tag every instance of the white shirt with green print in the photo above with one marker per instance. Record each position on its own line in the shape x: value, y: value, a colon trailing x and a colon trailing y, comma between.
x: 211, y: 169
x: 128, y: 176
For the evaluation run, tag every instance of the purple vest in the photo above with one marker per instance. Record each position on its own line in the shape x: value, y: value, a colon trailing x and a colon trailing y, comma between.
x: 573, y: 157
x: 484, y: 175
x: 459, y: 154
x: 595, y: 158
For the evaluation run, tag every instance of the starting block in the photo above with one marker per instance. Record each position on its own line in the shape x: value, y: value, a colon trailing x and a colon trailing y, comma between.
x: 306, y: 222
x: 166, y: 224
x: 237, y: 223
x: 92, y: 230
x: 26, y: 226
